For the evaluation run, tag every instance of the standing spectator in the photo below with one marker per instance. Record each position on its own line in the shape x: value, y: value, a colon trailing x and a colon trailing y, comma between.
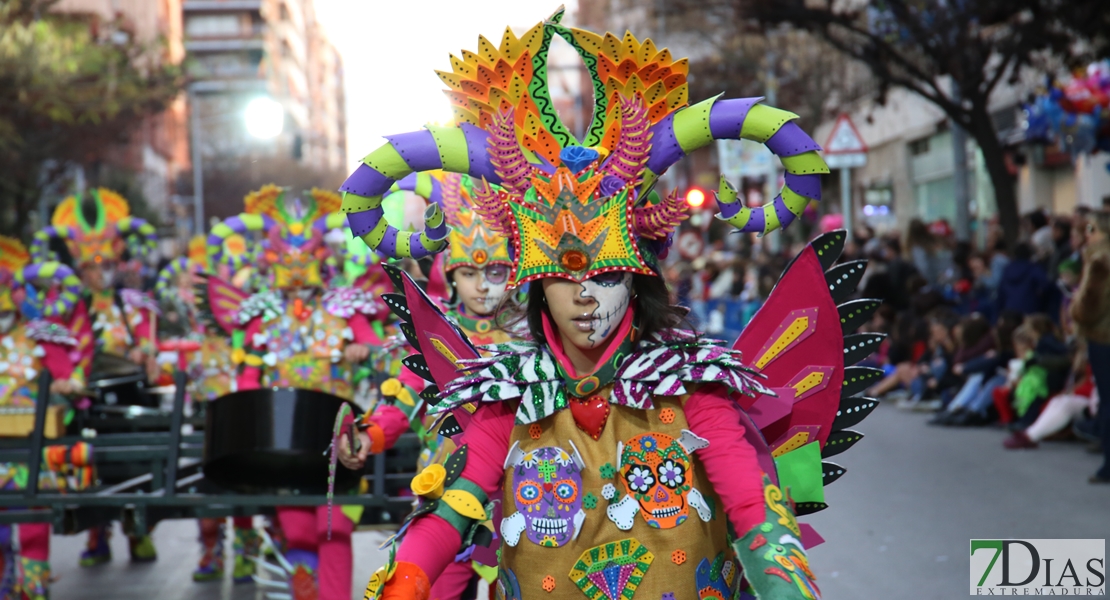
x: 1040, y: 236
x: 1091, y: 311
x: 925, y: 251
x: 1024, y: 283
x: 1061, y: 242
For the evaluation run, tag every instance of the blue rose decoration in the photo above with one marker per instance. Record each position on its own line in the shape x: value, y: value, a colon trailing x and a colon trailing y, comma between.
x: 577, y: 158
x: 610, y: 185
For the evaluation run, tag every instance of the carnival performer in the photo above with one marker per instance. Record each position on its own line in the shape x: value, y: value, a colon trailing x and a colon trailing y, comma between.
x: 97, y: 229
x: 211, y: 374
x: 300, y: 333
x: 628, y: 449
x: 476, y: 266
x: 27, y: 346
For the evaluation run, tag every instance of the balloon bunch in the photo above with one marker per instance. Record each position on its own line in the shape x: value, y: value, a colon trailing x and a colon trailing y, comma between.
x: 1074, y: 114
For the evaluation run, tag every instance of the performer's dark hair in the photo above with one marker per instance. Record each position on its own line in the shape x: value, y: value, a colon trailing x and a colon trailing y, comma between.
x: 654, y: 309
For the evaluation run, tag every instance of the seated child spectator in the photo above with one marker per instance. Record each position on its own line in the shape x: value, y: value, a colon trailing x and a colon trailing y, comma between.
x: 1079, y: 399
x: 973, y: 403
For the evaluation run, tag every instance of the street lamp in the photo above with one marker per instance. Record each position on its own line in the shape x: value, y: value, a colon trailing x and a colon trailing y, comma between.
x: 265, y: 118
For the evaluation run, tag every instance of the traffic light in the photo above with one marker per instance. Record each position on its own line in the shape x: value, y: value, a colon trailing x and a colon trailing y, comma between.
x: 695, y: 197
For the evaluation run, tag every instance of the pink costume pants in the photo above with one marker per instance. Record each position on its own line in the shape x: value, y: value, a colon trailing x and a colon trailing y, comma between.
x: 306, y: 528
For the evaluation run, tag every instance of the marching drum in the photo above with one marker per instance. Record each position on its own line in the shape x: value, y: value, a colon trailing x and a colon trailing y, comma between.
x: 273, y: 440
x: 118, y: 381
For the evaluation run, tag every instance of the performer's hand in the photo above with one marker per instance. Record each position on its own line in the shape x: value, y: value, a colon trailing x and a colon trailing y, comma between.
x: 354, y: 462
x: 356, y: 353
x: 151, y: 366
x: 136, y: 356
x: 63, y: 387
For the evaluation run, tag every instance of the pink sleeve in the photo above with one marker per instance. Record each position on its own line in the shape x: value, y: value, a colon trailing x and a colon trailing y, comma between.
x: 57, y: 360
x: 431, y: 543
x: 729, y: 460
x: 250, y: 378
x: 392, y: 421
x: 362, y: 331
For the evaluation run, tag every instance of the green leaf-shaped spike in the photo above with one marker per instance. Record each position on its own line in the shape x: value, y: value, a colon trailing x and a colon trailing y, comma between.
x: 839, y: 441
x: 808, y: 508
x: 454, y: 465
x: 855, y: 313
x: 829, y: 246
x: 858, y: 379
x: 395, y: 276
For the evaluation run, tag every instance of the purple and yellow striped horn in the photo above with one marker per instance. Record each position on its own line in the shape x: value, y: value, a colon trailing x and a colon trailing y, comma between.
x: 460, y: 149
x: 141, y: 237
x: 226, y: 244
x: 68, y: 292
x: 166, y: 283
x: 697, y: 126
x: 40, y: 242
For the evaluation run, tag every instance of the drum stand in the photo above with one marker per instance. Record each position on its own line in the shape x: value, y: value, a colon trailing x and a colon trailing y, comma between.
x: 170, y: 483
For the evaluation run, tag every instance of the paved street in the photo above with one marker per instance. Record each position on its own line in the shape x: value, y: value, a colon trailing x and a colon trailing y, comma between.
x: 898, y: 524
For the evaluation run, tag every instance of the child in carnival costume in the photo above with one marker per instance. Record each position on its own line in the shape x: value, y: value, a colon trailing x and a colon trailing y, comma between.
x: 27, y: 346
x: 476, y: 267
x: 634, y: 458
x: 211, y: 374
x: 304, y: 334
x: 97, y: 228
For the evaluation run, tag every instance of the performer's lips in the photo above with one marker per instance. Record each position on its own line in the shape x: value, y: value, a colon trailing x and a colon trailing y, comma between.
x: 585, y: 322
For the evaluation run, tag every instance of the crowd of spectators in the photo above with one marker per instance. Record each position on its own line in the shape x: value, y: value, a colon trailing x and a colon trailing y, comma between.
x: 1008, y: 333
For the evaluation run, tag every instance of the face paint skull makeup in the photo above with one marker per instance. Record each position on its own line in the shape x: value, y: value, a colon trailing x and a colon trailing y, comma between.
x: 496, y: 278
x: 547, y: 492
x: 612, y: 292
x: 657, y: 472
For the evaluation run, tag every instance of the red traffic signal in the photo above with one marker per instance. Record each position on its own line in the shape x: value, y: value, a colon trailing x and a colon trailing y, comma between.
x: 695, y: 197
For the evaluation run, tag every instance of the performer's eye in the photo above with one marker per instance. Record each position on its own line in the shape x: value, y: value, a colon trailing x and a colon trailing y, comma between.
x: 608, y: 279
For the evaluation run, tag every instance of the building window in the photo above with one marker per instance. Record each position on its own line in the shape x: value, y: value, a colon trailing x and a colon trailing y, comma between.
x: 919, y: 147
x: 200, y: 26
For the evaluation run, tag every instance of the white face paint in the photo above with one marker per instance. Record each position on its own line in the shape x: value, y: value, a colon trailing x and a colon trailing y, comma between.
x: 7, y: 320
x: 481, y: 290
x: 612, y: 291
x: 494, y: 292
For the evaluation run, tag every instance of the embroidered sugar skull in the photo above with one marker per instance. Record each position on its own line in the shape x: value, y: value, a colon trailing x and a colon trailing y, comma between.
x: 547, y: 491
x: 657, y: 473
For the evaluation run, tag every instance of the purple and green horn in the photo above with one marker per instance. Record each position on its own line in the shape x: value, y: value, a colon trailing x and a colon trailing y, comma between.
x: 40, y: 243
x: 694, y: 127
x: 167, y: 277
x: 240, y: 224
x: 69, y: 286
x: 141, y: 237
x: 461, y: 149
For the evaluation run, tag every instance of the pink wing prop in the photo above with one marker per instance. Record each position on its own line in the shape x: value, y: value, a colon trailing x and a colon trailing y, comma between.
x: 221, y: 300
x: 440, y: 343
x: 798, y: 341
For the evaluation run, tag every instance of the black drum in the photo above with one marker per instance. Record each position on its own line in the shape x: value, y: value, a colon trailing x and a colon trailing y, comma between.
x: 273, y: 440
x: 118, y: 381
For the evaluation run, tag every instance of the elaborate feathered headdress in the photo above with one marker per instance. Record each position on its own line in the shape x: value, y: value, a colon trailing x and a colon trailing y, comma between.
x: 294, y: 234
x: 573, y: 208
x: 16, y: 270
x: 95, y: 228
